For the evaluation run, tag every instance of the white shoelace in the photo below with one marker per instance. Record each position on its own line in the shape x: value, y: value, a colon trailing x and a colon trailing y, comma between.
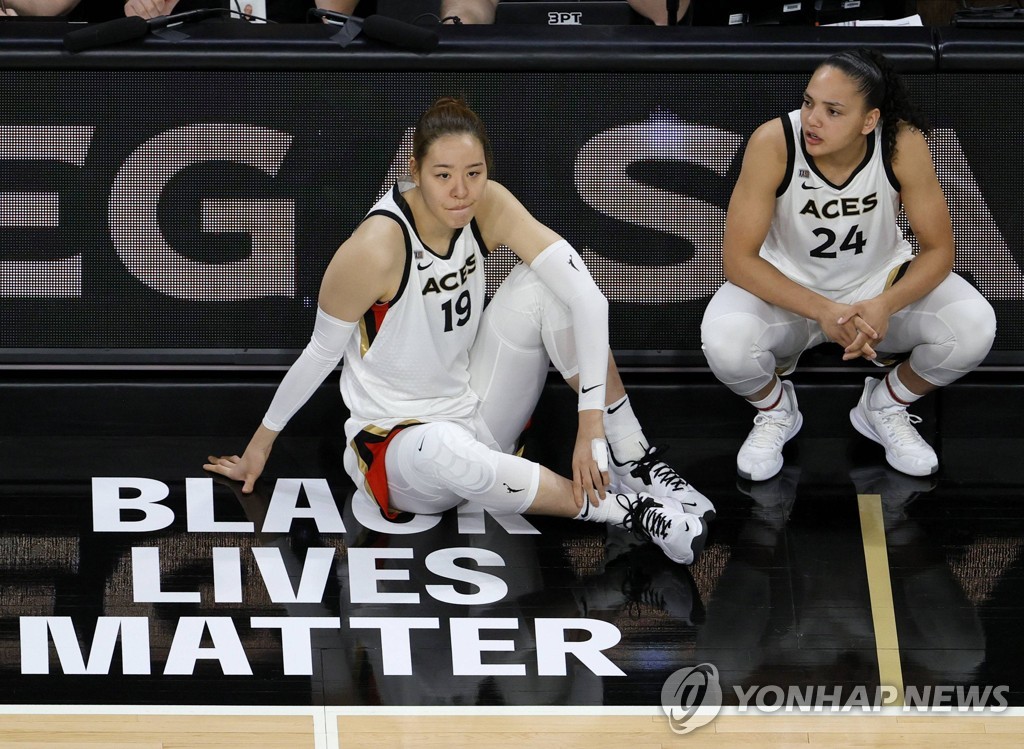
x: 899, y: 426
x: 769, y: 431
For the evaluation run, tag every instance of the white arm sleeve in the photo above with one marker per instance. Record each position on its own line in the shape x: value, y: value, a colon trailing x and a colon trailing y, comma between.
x: 562, y: 270
x: 320, y: 357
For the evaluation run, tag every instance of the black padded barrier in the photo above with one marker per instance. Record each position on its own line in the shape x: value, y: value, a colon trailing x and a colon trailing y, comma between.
x: 979, y: 90
x: 175, y: 203
x: 962, y: 50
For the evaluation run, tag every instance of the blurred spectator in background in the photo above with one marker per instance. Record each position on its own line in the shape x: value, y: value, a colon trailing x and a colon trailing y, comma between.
x: 932, y: 12
x: 38, y: 7
x: 469, y: 11
x: 281, y: 11
x: 287, y: 11
x: 657, y: 10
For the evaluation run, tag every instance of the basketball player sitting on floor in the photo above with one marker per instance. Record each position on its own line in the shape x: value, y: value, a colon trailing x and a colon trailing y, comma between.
x: 442, y: 387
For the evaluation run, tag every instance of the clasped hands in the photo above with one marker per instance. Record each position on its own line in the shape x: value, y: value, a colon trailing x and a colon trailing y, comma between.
x: 858, y: 328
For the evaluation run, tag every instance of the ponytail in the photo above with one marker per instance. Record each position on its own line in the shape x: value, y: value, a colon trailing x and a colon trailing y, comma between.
x: 882, y: 88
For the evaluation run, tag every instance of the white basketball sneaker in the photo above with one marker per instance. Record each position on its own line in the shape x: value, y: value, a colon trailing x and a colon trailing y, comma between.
x: 893, y: 429
x: 760, y: 456
x: 679, y: 535
x: 659, y: 479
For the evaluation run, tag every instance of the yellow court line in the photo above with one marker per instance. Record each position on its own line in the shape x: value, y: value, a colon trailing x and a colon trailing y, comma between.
x: 883, y: 613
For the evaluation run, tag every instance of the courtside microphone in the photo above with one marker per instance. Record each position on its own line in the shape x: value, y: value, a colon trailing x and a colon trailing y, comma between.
x: 384, y: 29
x: 400, y: 33
x: 128, y: 28
x: 95, y: 35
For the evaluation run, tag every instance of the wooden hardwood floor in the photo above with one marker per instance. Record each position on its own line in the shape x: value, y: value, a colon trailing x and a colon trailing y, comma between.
x: 515, y: 731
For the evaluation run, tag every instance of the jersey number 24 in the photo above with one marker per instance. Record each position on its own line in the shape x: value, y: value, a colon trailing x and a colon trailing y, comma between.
x: 854, y: 241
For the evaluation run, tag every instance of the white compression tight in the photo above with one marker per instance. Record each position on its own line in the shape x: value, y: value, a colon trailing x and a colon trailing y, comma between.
x: 524, y: 329
x: 948, y: 333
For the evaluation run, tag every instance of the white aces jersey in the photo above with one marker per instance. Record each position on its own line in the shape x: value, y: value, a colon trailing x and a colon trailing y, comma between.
x: 832, y: 238
x: 410, y: 360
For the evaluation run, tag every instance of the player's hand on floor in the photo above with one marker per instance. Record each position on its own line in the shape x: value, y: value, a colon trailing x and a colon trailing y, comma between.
x: 245, y: 469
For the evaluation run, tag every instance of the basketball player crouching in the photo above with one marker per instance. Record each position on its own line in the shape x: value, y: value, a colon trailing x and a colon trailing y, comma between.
x: 812, y: 253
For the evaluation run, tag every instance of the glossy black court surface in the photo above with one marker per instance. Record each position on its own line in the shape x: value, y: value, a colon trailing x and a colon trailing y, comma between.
x: 780, y: 596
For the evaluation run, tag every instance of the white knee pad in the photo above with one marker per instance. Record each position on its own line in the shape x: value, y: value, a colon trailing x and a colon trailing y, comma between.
x: 728, y: 343
x: 451, y: 455
x: 974, y: 323
x: 972, y: 328
x: 448, y: 456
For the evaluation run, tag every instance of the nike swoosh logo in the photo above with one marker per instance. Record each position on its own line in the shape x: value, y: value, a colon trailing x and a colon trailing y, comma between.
x: 616, y: 408
x: 420, y: 448
x: 587, y: 390
x: 810, y: 187
x: 573, y: 265
x: 510, y: 489
x: 424, y: 267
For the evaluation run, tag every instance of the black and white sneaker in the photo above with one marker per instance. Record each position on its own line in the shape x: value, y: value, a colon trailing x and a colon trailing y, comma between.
x: 654, y: 476
x: 680, y: 535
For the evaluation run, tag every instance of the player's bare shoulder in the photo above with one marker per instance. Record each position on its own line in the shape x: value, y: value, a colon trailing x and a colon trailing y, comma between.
x: 911, y: 156
x: 909, y: 139
x: 767, y: 143
x: 908, y: 130
x: 764, y: 160
x: 367, y: 267
x: 378, y: 242
x: 497, y: 212
x: 494, y: 201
